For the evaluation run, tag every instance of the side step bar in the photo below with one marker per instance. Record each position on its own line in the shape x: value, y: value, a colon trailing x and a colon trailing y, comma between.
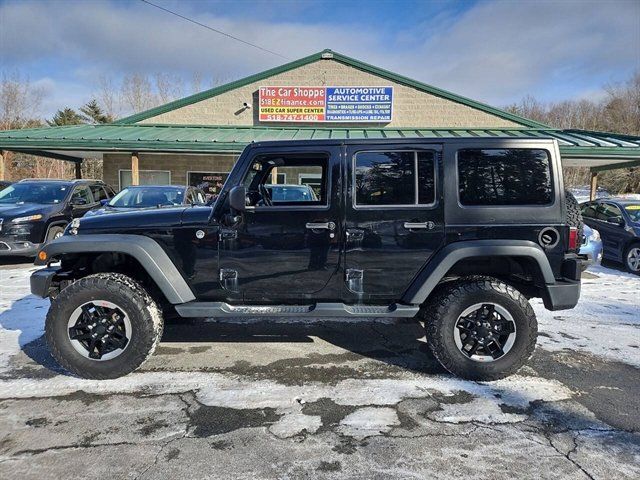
x: 223, y: 309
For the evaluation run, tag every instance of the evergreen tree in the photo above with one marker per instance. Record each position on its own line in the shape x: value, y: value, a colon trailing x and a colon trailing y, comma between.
x: 68, y: 116
x: 92, y: 113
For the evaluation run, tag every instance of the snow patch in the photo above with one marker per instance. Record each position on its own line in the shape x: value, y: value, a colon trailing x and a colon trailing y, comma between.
x: 369, y: 421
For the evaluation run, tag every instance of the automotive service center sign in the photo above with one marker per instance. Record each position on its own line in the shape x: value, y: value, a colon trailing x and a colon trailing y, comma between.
x: 325, y: 104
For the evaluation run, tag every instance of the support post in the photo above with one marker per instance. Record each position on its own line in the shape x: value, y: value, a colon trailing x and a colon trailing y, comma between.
x: 79, y: 169
x: 3, y: 155
x: 274, y: 175
x: 593, y: 185
x: 135, y: 172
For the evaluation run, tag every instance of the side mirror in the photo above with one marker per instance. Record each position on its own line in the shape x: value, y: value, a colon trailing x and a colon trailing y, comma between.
x: 78, y: 201
x: 238, y: 199
x: 104, y: 201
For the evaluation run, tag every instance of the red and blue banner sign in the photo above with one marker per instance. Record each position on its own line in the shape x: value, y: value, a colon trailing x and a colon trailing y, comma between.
x: 325, y: 104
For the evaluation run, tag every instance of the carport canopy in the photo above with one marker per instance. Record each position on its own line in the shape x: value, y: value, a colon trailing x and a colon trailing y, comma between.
x: 599, y: 151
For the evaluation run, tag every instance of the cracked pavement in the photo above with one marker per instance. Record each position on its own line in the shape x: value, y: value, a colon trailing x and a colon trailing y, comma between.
x: 321, y: 399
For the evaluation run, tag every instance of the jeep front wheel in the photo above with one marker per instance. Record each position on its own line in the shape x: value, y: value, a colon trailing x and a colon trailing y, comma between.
x: 480, y: 328
x: 103, y: 326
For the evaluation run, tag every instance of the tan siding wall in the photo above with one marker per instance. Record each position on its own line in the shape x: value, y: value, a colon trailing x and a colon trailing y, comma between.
x: 178, y: 164
x: 412, y: 108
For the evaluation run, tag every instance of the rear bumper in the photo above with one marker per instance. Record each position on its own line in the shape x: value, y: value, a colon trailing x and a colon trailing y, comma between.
x: 41, y: 281
x: 565, y: 292
x: 563, y: 295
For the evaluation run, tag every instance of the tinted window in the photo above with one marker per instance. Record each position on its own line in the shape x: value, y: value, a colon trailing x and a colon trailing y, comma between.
x: 394, y: 178
x: 504, y: 177
x: 82, y: 192
x: 589, y: 210
x: 98, y: 193
x: 607, y: 211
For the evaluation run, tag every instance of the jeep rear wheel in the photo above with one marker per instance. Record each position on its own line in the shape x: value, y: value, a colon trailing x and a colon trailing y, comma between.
x: 480, y: 328
x: 103, y: 326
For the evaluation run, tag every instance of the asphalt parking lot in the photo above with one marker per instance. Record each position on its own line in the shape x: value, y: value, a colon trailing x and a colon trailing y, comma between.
x: 327, y: 399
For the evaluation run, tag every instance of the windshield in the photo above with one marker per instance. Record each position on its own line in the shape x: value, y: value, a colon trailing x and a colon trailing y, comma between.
x: 634, y: 212
x: 142, y: 197
x: 32, y: 192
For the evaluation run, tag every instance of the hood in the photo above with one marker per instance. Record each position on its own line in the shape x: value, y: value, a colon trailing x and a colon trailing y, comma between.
x: 129, y: 221
x: 11, y: 210
x: 107, y: 210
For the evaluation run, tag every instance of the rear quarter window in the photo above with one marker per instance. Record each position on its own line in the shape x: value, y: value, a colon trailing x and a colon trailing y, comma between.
x: 504, y: 177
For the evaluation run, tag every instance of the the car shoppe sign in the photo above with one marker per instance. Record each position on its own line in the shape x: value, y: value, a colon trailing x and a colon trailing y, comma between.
x: 325, y: 104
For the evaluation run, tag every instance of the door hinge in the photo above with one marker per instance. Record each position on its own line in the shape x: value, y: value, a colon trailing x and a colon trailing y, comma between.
x: 229, y: 279
x: 354, y: 279
x: 228, y: 235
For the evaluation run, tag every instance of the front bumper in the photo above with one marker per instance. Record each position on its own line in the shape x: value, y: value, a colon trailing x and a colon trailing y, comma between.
x: 10, y: 246
x: 41, y: 281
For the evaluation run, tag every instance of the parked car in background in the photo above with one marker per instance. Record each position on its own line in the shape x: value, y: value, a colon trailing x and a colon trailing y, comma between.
x: 591, y: 247
x: 291, y: 193
x: 618, y: 222
x: 4, y: 184
x: 152, y: 196
x: 33, y: 212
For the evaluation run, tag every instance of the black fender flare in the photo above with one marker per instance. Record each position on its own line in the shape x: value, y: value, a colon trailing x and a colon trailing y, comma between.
x: 438, y: 266
x: 145, y: 250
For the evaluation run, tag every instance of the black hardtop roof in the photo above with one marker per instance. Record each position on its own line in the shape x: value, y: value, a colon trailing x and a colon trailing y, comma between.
x: 399, y: 141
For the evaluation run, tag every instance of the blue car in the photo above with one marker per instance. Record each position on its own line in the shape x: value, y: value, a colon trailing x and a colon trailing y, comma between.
x: 618, y: 222
x: 591, y: 247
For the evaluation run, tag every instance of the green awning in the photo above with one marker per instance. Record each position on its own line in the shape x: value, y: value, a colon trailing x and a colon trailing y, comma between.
x: 576, y: 144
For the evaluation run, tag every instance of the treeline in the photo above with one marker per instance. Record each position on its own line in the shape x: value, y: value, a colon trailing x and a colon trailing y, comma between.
x: 618, y: 110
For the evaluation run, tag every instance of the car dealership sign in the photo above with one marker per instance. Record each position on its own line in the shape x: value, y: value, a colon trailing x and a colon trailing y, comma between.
x: 325, y: 104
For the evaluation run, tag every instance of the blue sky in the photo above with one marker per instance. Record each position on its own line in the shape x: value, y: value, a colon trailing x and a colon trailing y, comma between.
x: 495, y: 51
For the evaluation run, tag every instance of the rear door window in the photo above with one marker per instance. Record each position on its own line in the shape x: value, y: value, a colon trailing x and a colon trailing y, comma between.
x: 394, y: 178
x: 504, y: 177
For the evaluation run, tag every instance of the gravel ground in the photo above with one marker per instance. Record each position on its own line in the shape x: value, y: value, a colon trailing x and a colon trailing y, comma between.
x: 327, y: 399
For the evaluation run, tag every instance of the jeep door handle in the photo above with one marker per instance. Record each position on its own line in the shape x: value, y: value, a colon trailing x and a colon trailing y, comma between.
x: 321, y: 226
x: 419, y: 225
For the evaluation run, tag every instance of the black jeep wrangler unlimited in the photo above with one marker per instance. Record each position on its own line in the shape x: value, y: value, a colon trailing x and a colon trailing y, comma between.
x: 458, y: 232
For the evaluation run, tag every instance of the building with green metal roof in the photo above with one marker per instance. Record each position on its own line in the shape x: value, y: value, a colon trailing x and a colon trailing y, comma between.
x: 325, y: 95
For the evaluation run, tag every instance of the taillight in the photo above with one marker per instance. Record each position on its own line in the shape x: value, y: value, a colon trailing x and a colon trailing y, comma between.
x: 573, y: 238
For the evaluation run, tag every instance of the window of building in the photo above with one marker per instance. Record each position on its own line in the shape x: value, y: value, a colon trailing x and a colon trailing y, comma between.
x: 515, y: 176
x: 147, y: 177
x: 395, y: 178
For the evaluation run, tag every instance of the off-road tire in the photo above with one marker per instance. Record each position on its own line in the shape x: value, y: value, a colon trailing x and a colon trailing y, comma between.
x: 574, y: 216
x: 440, y: 316
x: 54, y: 231
x: 143, y: 312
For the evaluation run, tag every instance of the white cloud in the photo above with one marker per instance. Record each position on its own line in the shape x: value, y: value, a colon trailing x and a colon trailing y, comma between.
x: 496, y: 51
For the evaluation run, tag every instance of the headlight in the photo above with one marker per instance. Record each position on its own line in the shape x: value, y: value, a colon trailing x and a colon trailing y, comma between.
x: 30, y: 218
x: 595, y: 236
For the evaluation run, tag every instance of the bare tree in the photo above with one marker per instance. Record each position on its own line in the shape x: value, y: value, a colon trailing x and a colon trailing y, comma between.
x: 19, y: 101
